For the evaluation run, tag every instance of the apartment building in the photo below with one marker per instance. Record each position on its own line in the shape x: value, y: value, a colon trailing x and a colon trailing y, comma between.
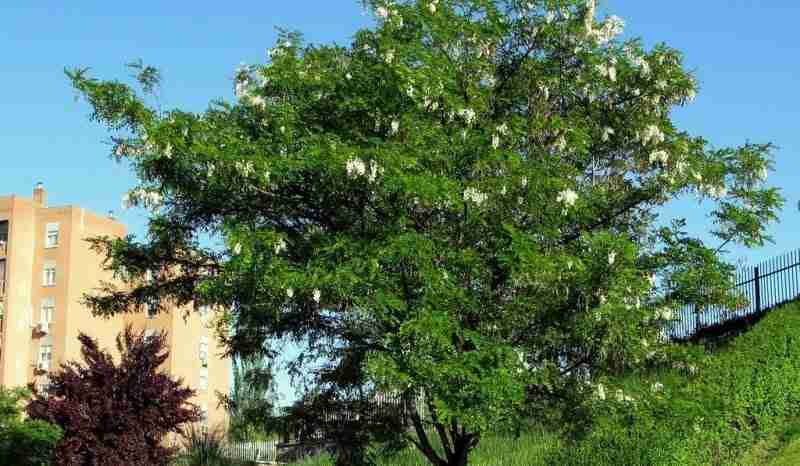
x: 46, y: 267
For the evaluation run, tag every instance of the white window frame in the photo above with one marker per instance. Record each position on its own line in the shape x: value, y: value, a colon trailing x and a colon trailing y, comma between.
x: 45, y: 360
x: 51, y: 235
x: 203, y: 311
x: 49, y: 274
x: 202, y: 385
x: 203, y: 353
x: 47, y: 311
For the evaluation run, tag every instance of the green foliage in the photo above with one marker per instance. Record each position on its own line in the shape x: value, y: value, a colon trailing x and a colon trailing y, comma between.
x: 24, y: 442
x: 715, y: 404
x: 465, y: 202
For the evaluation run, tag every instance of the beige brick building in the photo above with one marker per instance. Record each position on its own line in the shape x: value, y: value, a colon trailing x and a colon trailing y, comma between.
x: 45, y: 268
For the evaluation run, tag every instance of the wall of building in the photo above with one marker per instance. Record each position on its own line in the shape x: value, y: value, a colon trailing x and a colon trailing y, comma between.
x: 79, y: 270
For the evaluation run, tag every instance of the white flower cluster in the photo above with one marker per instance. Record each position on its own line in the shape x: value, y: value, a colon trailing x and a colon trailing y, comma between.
x: 245, y: 168
x: 467, y: 114
x: 641, y: 63
x: 717, y: 192
x: 356, y: 167
x: 657, y: 387
x: 567, y: 197
x: 432, y: 6
x: 664, y: 313
x: 600, y: 392
x: 316, y: 295
x: 659, y: 156
x: 652, y: 134
x: 612, y: 257
x: 612, y: 27
x: 280, y: 246
x: 478, y: 197
x: 607, y: 133
x: 607, y: 71
x: 147, y: 198
x: 501, y: 130
x: 622, y: 397
x: 395, y: 127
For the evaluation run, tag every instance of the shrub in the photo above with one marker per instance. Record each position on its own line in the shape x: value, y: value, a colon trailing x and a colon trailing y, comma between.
x: 24, y: 442
x: 116, y: 414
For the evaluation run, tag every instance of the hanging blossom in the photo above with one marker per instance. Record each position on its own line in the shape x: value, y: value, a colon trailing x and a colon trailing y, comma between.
x: 147, y: 198
x: 355, y: 168
x: 495, y: 141
x: 472, y: 194
x: 237, y: 249
x: 652, y: 134
x: 467, y: 114
x: 607, y: 71
x: 612, y: 257
x: 717, y: 192
x: 280, y: 246
x: 568, y: 197
x: 432, y: 6
x: 245, y: 168
x: 382, y: 12
x: 290, y: 293
x: 659, y: 156
x: 657, y: 387
x: 622, y: 397
x: 395, y: 127
x: 316, y: 295
x: 600, y: 392
x: 607, y: 133
x: 612, y: 27
x: 388, y: 57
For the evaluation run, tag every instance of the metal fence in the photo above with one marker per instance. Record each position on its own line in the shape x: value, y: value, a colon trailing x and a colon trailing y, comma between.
x: 765, y: 286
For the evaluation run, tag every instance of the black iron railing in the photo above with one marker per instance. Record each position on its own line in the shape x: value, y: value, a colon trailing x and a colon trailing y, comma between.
x: 765, y: 286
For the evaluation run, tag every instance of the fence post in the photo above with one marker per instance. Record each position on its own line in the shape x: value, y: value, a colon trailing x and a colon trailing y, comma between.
x: 758, y: 290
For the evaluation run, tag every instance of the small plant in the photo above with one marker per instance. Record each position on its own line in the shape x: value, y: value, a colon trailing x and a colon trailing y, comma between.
x: 203, y: 446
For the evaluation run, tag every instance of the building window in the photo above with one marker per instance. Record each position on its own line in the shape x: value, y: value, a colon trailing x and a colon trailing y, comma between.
x: 49, y: 274
x: 43, y: 387
x: 152, y: 308
x: 51, y: 237
x: 45, y: 357
x: 204, y: 351
x: 149, y: 334
x: 203, y: 385
x: 47, y: 314
x: 203, y: 311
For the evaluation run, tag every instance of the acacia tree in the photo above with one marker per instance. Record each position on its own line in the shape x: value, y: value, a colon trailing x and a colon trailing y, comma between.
x: 116, y: 414
x: 467, y: 203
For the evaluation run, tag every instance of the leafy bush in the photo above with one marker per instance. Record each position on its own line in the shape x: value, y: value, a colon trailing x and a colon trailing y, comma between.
x: 714, y: 405
x: 24, y: 442
x: 116, y: 414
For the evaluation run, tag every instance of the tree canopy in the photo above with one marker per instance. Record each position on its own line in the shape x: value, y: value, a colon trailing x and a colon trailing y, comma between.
x: 466, y: 202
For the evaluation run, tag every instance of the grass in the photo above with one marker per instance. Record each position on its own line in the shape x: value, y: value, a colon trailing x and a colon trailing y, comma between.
x: 531, y: 449
x: 740, y: 407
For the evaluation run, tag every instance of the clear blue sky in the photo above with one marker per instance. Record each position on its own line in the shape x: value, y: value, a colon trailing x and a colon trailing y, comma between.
x: 744, y: 53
